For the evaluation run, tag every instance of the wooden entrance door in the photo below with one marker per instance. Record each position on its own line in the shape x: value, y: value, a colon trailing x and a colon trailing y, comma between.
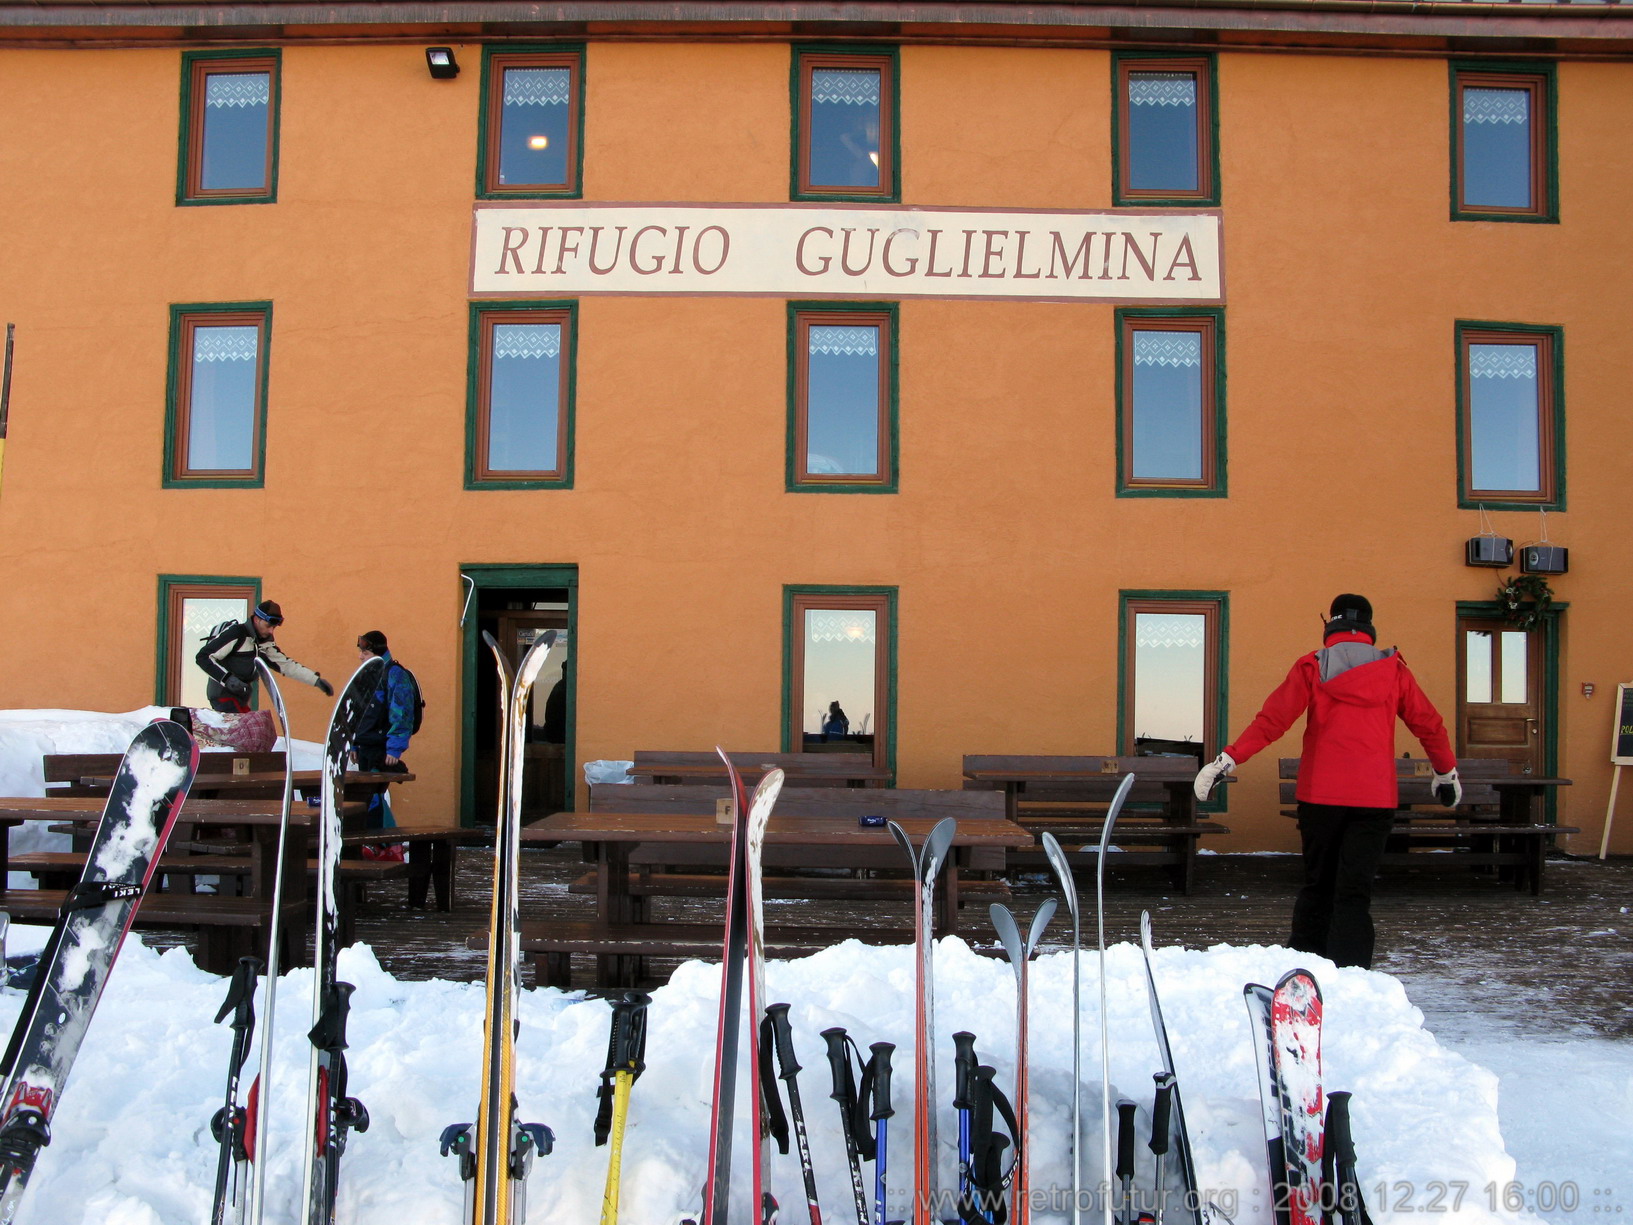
x: 544, y: 771
x: 1500, y: 706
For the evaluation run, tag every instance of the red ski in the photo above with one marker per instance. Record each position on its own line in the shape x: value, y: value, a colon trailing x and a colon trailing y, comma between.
x: 1295, y: 1028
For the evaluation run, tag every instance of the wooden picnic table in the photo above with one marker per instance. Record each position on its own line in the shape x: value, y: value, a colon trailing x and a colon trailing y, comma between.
x: 799, y: 769
x: 220, y: 786
x: 622, y: 919
x: 229, y: 925
x: 1068, y: 796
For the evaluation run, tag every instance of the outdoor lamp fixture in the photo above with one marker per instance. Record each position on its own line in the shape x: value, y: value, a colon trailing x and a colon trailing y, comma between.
x: 441, y: 62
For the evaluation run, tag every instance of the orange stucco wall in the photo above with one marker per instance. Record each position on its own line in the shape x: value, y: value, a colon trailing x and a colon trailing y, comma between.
x: 1344, y: 278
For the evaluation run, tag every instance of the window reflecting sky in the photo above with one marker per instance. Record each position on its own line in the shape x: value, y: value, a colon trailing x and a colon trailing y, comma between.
x: 842, y: 403
x: 221, y: 406
x: 198, y: 618
x: 1170, y: 676
x: 524, y: 397
x: 1503, y: 410
x: 1162, y: 115
x: 233, y: 151
x: 841, y: 658
x: 1167, y: 394
x: 1497, y: 148
x: 533, y: 127
x: 845, y: 121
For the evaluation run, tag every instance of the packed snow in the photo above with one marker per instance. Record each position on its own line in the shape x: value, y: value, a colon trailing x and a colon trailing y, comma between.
x: 132, y: 1144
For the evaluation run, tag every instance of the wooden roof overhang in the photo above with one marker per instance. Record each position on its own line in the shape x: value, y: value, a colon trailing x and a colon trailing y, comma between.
x: 1399, y: 27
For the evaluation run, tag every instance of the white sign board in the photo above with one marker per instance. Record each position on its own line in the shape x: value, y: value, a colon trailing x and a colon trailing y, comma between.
x: 566, y: 249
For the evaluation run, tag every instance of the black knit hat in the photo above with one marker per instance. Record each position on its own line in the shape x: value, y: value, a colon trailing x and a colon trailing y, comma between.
x: 1350, y: 614
x: 269, y: 612
x: 374, y: 641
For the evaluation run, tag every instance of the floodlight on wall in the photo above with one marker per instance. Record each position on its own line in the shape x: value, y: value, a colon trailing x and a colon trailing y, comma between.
x: 441, y: 62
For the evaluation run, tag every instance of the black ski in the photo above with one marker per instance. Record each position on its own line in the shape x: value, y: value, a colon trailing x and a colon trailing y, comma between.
x: 1176, y: 1134
x: 147, y: 793
x: 331, y: 1112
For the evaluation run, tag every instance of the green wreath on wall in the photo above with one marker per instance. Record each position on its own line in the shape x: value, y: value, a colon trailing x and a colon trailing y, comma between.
x: 1525, y: 599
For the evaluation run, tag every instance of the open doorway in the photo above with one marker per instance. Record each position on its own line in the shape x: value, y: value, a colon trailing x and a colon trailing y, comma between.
x: 516, y: 605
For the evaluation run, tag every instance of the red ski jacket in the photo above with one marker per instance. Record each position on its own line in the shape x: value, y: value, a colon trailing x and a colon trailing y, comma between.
x: 1349, y: 732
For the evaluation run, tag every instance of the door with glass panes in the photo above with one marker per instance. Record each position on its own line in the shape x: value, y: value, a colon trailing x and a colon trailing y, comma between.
x: 1499, y: 693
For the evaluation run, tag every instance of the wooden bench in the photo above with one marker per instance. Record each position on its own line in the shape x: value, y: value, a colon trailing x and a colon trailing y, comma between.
x: 799, y: 769
x: 1492, y: 827
x: 1068, y: 797
x: 549, y: 947
x: 650, y: 840
x: 228, y: 927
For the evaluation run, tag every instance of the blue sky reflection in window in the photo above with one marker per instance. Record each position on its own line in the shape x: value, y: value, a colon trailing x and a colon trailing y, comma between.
x: 524, y: 397
x: 1162, y: 153
x: 1497, y: 148
x: 844, y: 135
x: 533, y: 127
x: 221, y: 400
x: 1504, y: 446
x: 842, y: 400
x: 237, y: 106
x: 1167, y: 433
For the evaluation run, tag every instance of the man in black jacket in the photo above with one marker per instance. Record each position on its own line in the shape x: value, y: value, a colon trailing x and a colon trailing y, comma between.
x: 228, y: 659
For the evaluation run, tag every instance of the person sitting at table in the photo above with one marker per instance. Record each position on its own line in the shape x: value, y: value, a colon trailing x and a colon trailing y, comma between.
x: 1350, y: 692
x: 228, y: 659
x: 388, y: 720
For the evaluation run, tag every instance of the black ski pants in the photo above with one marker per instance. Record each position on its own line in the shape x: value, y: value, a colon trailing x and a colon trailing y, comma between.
x: 1333, y: 913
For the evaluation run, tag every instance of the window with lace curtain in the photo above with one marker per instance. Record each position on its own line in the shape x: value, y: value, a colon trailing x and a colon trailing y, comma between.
x: 1503, y: 160
x: 1164, y: 130
x: 1170, y: 402
x: 229, y: 121
x: 1171, y: 674
x: 839, y: 659
x: 215, y: 425
x: 845, y: 127
x: 520, y: 411
x: 1510, y: 416
x: 842, y: 397
x: 532, y: 123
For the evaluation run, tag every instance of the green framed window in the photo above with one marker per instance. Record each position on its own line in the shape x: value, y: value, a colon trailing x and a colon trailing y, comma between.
x: 1165, y: 130
x: 190, y: 606
x: 842, y: 397
x: 846, y: 105
x: 229, y: 127
x: 532, y: 123
x: 519, y: 415
x: 215, y: 421
x: 839, y: 671
x: 1504, y: 143
x: 1171, y: 672
x: 1510, y: 416
x: 1171, y: 402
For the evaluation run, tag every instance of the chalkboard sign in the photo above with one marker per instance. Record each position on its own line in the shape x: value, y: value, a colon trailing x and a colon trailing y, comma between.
x: 1621, y: 741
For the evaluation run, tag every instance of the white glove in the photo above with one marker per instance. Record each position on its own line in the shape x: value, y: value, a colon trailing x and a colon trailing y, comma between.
x: 1209, y: 774
x: 1447, y: 789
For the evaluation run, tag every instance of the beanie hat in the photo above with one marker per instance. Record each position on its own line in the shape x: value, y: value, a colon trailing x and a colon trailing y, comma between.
x: 374, y: 641
x: 1350, y: 614
x: 269, y: 612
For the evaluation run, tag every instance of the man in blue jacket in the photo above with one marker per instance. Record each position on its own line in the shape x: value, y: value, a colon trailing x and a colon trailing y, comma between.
x: 387, y: 723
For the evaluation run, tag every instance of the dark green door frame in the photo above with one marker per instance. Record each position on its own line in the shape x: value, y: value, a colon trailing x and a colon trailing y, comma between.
x: 473, y: 655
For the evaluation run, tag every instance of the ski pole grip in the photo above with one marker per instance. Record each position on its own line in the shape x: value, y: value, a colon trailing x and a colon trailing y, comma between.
x: 964, y: 1062
x: 782, y: 1033
x: 1161, y: 1108
x: 882, y: 1051
x: 838, y: 1063
x: 1125, y: 1138
x: 1339, y: 1138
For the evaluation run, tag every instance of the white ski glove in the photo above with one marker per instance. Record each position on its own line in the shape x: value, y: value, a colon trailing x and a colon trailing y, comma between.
x: 1447, y: 789
x: 1209, y: 774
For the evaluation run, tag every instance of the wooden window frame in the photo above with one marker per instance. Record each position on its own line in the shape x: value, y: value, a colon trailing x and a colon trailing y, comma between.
x: 1213, y: 605
x: 170, y: 653
x: 195, y: 67
x: 491, y: 121
x: 801, y: 317
x: 483, y: 316
x: 881, y: 601
x: 1209, y: 322
x: 1549, y: 342
x: 1207, y: 192
x: 888, y: 62
x: 185, y: 319
x: 1539, y: 81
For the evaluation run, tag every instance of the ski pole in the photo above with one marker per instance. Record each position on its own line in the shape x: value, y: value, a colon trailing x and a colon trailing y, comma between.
x: 783, y: 1036
x: 1125, y: 1158
x: 879, y: 1072
x: 1344, y: 1189
x: 228, y: 1124
x: 844, y: 1092
x: 987, y: 1176
x: 626, y: 1060
x: 1161, y: 1107
x: 964, y: 1065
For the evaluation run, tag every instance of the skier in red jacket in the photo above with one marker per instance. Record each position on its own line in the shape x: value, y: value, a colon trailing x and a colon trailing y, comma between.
x: 1350, y: 693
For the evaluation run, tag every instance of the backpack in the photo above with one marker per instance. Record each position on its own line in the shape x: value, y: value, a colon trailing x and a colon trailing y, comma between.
x: 417, y: 704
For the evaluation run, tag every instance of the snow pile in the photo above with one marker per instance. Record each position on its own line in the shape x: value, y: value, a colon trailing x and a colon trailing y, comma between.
x: 133, y: 1146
